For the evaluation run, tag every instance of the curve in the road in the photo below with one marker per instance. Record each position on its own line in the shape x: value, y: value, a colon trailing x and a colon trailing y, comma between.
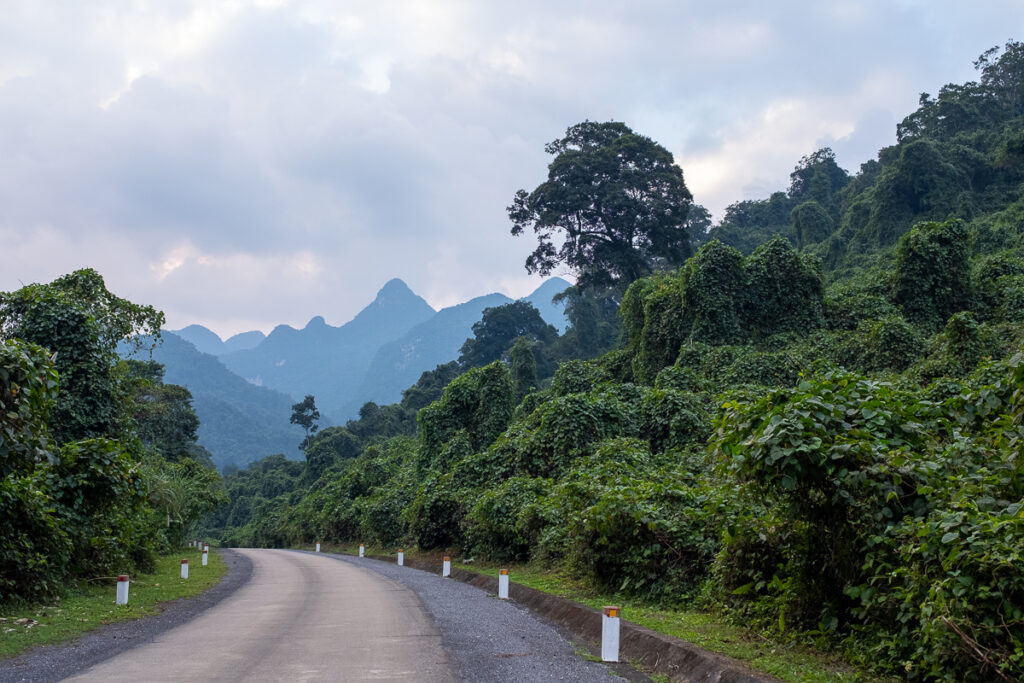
x: 305, y: 616
x: 299, y: 618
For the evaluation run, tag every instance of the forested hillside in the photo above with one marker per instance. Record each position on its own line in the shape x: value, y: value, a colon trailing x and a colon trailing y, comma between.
x: 238, y: 421
x: 808, y: 419
x: 99, y: 465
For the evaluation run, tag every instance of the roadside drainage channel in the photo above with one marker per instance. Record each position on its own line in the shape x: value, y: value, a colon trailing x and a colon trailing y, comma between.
x: 655, y: 652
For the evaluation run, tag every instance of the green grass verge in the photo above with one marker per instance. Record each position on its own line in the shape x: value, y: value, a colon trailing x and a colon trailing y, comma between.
x: 785, y: 661
x: 91, y: 604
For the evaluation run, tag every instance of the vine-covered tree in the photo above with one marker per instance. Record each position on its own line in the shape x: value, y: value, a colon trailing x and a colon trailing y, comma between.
x: 933, y: 272
x: 614, y: 200
x: 713, y: 291
x: 76, y: 318
x: 811, y: 223
x: 499, y: 327
x: 817, y: 177
x: 523, y: 366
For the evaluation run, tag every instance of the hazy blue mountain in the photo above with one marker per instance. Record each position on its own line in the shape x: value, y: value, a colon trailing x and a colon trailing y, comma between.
x: 238, y: 421
x: 207, y: 341
x: 398, y: 364
x: 553, y: 314
x: 331, y: 362
x: 243, y: 341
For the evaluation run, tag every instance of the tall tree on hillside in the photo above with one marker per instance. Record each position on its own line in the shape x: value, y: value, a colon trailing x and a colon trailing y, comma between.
x: 817, y: 177
x: 306, y: 415
x: 499, y: 327
x: 615, y: 201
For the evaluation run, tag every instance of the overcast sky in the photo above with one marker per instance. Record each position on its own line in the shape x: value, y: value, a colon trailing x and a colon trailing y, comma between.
x: 243, y: 164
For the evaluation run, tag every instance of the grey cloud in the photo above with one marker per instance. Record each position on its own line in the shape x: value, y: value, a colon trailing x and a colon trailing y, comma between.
x: 260, y: 134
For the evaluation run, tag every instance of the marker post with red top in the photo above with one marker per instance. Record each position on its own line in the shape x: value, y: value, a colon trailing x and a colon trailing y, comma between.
x: 206, y: 553
x: 446, y: 567
x: 122, y: 590
x: 610, y: 634
x: 184, y: 569
x: 503, y: 584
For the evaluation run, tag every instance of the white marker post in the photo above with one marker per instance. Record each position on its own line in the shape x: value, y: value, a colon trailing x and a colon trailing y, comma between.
x: 184, y: 569
x: 122, y: 590
x: 206, y: 552
x: 610, y: 634
x: 361, y: 550
x: 503, y: 584
x: 318, y: 547
x: 401, y: 558
x: 446, y: 568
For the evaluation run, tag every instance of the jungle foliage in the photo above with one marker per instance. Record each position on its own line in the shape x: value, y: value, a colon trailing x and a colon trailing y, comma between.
x: 98, y: 456
x: 813, y: 426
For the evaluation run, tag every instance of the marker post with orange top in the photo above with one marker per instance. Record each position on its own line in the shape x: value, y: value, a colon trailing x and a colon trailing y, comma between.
x: 503, y: 584
x: 446, y: 567
x: 362, y: 550
x: 610, y: 634
x: 401, y: 558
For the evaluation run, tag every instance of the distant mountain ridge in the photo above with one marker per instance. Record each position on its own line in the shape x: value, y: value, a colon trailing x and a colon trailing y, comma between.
x: 238, y: 422
x: 398, y: 364
x: 374, y: 357
x: 207, y: 341
x: 326, y: 361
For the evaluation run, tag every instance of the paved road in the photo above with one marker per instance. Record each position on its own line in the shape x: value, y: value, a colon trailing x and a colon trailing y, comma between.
x: 300, y: 617
x: 495, y: 640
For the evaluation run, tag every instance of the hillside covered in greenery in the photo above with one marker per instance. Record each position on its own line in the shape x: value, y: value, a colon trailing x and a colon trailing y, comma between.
x: 99, y: 465
x: 808, y: 418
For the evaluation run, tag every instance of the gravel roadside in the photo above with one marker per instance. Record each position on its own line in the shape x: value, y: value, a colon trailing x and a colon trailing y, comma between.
x: 488, y: 639
x: 56, y: 662
x: 491, y: 639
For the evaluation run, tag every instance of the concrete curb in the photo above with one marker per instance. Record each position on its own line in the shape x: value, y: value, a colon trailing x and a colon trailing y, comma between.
x: 656, y: 652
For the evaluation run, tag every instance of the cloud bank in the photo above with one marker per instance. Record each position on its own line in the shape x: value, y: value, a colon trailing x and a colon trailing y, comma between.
x: 243, y: 164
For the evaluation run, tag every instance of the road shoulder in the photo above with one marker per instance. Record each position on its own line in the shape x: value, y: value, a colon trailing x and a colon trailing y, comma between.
x: 56, y: 662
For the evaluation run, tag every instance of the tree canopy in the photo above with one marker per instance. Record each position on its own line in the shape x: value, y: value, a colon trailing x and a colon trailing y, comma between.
x: 499, y: 327
x: 306, y: 415
x: 82, y: 323
x: 614, y: 200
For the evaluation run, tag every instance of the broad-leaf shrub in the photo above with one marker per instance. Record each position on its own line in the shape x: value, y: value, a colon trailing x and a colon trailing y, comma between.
x: 634, y: 522
x: 885, y: 516
x: 479, y: 403
x: 28, y: 387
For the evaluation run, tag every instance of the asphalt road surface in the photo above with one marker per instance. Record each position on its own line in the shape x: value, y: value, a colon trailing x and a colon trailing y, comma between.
x: 304, y: 616
x: 300, y: 617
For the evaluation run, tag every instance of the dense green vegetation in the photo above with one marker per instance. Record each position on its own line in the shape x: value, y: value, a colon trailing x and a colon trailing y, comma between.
x: 813, y: 426
x: 98, y: 456
x: 239, y: 421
